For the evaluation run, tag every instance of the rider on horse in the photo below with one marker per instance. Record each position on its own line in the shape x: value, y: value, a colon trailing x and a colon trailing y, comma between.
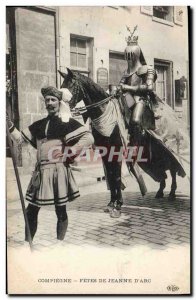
x: 139, y: 103
x: 137, y: 85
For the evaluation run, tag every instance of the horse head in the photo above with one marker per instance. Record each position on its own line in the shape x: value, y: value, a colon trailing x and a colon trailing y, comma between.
x: 73, y: 84
x: 82, y: 88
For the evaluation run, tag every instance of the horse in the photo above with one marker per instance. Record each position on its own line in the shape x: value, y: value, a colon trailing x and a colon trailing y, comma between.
x: 162, y: 156
x: 96, y: 102
x: 161, y: 159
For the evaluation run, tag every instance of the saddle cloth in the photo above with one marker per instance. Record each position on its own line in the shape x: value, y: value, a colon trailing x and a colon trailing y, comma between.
x: 107, y: 121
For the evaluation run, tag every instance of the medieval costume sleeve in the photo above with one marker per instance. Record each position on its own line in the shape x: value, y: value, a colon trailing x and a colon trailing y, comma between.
x: 23, y: 136
x: 72, y: 132
x: 78, y: 135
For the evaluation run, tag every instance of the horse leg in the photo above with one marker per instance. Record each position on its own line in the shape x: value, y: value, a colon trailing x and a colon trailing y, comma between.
x: 119, y: 198
x: 116, y: 212
x: 160, y: 193
x: 172, y: 194
x: 111, y: 184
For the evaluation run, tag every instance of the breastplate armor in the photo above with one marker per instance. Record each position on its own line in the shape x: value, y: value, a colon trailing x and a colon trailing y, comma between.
x: 133, y: 80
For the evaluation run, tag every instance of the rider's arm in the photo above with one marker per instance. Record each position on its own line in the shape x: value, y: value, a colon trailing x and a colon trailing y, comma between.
x: 132, y: 88
x: 148, y: 86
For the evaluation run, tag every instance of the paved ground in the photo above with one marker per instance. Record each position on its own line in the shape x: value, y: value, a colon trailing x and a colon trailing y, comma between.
x: 159, y: 224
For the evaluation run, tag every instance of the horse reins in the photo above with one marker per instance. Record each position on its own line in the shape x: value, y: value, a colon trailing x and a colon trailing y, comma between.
x: 91, y: 106
x: 78, y: 86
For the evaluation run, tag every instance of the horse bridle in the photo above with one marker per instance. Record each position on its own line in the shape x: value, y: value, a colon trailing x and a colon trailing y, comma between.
x: 81, y: 110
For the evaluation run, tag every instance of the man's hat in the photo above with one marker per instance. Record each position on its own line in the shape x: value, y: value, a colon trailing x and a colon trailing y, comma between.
x: 51, y: 91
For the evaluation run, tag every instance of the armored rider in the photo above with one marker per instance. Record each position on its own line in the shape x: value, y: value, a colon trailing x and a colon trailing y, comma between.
x: 139, y: 101
x: 137, y: 85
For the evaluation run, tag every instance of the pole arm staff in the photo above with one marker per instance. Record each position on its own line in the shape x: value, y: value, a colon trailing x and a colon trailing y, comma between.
x: 19, y: 187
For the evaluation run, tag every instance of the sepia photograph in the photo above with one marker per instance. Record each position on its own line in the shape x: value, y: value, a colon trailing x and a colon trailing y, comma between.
x: 98, y: 150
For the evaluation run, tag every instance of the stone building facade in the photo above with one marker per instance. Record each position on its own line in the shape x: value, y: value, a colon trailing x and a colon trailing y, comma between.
x: 91, y: 40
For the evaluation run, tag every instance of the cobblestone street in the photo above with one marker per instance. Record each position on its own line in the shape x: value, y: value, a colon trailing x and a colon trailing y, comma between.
x: 157, y: 223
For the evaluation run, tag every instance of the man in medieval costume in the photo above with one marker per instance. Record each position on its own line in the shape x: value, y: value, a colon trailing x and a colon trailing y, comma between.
x: 139, y: 103
x: 53, y: 182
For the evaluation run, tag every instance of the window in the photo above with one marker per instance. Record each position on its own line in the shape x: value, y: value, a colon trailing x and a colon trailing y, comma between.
x: 167, y: 15
x: 81, y: 55
x: 117, y: 65
x: 180, y: 91
x: 78, y: 50
x: 163, y: 12
x: 163, y: 84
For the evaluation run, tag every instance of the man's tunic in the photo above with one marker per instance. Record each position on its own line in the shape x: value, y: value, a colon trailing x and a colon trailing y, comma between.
x: 52, y: 182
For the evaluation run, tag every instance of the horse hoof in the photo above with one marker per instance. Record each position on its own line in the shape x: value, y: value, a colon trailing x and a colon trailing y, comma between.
x: 159, y: 195
x: 171, y: 197
x: 109, y: 207
x: 115, y: 213
x: 119, y: 203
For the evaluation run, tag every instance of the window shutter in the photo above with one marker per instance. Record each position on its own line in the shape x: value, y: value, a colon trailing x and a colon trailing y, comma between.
x: 178, y: 15
x: 148, y: 10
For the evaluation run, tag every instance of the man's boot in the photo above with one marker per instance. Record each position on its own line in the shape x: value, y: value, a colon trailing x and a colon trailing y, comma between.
x: 32, y: 215
x: 62, y: 222
x: 61, y: 229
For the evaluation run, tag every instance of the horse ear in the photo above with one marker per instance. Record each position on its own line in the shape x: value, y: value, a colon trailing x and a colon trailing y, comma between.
x: 70, y: 73
x: 62, y: 74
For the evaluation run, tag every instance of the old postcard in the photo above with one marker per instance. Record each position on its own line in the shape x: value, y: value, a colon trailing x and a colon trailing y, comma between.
x: 98, y: 150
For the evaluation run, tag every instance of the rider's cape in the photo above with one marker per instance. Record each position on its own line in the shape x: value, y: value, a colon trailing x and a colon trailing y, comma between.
x: 168, y: 145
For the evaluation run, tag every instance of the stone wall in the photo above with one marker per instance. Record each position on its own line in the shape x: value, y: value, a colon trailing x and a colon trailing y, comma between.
x: 107, y: 27
x: 36, y: 67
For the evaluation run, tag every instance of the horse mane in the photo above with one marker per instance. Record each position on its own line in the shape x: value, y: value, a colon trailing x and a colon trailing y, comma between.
x: 95, y: 90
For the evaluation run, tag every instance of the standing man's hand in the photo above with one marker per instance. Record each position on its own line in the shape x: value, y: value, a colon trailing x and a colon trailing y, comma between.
x: 9, y: 122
